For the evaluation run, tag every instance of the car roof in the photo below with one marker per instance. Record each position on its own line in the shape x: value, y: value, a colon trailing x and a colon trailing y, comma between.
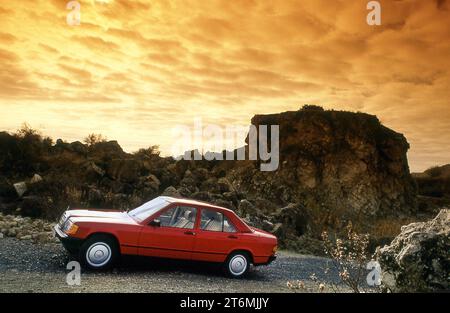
x: 193, y: 202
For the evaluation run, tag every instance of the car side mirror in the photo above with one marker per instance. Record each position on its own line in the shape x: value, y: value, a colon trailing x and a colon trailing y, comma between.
x: 155, y: 223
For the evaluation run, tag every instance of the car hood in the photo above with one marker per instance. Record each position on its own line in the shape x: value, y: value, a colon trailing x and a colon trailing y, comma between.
x: 98, y: 216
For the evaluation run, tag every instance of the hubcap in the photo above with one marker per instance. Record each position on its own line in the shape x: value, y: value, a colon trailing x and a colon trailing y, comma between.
x: 238, y: 264
x: 98, y: 254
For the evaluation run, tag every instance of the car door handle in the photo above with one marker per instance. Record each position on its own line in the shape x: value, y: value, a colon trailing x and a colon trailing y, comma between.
x: 189, y: 233
x: 233, y: 237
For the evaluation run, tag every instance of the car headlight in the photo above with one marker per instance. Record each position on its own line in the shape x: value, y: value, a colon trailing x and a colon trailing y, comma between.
x: 70, y: 228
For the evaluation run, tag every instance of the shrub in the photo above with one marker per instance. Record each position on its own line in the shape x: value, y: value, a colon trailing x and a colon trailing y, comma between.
x: 349, y: 257
x: 93, y: 139
x: 150, y: 152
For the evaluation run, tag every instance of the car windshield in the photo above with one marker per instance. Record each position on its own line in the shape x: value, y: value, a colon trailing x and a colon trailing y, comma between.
x: 148, y: 208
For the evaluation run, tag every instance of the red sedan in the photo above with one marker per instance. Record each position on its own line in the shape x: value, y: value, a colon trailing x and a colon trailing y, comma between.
x: 168, y: 228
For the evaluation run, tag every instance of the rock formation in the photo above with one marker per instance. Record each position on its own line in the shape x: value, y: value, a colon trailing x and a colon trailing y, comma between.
x: 339, y: 166
x: 418, y: 260
x: 335, y: 167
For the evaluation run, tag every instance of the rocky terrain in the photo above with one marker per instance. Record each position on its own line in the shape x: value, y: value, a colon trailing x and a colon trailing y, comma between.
x: 26, y: 228
x: 335, y: 167
x: 418, y: 260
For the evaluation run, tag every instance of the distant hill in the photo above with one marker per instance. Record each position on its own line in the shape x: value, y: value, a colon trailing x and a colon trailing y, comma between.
x: 434, y: 182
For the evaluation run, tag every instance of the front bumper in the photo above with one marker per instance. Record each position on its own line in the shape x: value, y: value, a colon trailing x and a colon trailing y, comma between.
x: 71, y: 244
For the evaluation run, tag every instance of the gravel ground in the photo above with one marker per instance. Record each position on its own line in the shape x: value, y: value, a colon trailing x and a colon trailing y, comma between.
x: 30, y: 267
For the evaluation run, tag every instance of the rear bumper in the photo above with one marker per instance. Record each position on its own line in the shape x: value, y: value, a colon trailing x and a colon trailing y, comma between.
x: 71, y: 244
x: 268, y: 260
x: 272, y: 258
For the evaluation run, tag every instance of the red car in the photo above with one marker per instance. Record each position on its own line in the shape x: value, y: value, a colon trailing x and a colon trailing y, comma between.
x: 168, y: 228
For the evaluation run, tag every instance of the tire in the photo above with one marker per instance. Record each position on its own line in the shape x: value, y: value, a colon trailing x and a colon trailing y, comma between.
x: 237, y: 264
x: 99, y: 252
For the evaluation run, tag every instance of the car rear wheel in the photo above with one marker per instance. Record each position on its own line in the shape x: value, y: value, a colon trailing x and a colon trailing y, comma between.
x: 237, y: 264
x: 99, y: 252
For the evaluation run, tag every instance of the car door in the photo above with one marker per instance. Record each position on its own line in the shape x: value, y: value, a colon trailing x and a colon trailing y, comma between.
x: 171, y: 235
x: 216, y: 236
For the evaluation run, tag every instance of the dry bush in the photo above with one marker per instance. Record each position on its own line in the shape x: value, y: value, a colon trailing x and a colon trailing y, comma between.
x: 72, y: 195
x: 150, y: 152
x: 93, y: 139
x: 349, y: 257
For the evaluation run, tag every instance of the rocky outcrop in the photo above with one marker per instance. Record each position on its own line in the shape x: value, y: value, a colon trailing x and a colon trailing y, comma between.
x: 418, y: 260
x: 341, y: 165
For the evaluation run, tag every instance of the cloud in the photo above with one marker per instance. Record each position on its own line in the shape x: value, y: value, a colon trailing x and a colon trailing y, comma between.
x: 162, y: 62
x: 96, y: 43
x: 48, y: 48
x: 7, y: 39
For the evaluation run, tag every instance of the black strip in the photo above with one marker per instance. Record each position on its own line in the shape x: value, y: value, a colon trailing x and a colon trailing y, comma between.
x: 278, y: 302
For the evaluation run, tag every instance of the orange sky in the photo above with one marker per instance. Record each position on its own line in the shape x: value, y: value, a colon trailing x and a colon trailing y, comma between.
x: 134, y: 69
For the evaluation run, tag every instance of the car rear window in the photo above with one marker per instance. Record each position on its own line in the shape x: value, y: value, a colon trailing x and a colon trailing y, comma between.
x: 215, y: 221
x: 179, y: 217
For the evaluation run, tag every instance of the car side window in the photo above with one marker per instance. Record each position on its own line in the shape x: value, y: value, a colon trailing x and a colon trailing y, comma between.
x: 179, y: 217
x: 228, y: 227
x: 215, y: 221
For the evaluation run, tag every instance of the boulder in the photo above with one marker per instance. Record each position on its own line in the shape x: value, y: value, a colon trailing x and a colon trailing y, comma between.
x: 36, y: 179
x: 418, y: 259
x: 21, y: 188
x: 153, y: 182
x: 293, y: 218
x: 202, y: 196
x: 126, y: 170
x: 107, y: 150
x: 171, y: 192
x: 93, y: 171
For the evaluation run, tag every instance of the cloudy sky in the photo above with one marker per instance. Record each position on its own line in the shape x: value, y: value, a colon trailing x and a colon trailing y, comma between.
x: 134, y: 69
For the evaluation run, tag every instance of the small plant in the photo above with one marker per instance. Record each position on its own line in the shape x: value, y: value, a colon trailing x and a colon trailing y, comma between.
x: 26, y: 131
x: 93, y: 139
x: 150, y: 152
x: 349, y: 257
x: 296, y: 285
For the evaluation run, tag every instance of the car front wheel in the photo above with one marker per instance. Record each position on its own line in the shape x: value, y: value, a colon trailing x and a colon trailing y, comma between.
x: 99, y: 252
x: 237, y: 264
